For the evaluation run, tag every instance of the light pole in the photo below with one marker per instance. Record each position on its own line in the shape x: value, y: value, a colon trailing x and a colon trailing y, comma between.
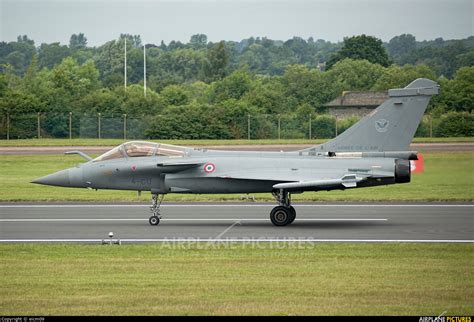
x: 144, y: 70
x: 125, y: 65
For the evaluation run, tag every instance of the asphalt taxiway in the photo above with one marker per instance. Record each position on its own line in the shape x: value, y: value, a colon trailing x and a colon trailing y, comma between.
x: 351, y: 222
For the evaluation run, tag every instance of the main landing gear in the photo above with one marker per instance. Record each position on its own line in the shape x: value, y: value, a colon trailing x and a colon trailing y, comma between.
x: 156, y: 199
x: 284, y: 214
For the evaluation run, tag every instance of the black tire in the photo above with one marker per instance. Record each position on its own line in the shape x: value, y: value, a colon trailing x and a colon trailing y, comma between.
x: 154, y: 220
x: 281, y: 216
x: 293, y: 215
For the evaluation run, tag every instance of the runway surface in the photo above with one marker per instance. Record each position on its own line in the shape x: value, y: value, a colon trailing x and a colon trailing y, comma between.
x: 362, y: 222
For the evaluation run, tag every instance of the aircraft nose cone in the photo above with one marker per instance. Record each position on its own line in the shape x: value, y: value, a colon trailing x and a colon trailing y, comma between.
x: 60, y: 178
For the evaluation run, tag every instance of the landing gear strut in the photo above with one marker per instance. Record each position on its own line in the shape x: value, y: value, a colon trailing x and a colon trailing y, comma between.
x: 156, y: 199
x: 284, y: 214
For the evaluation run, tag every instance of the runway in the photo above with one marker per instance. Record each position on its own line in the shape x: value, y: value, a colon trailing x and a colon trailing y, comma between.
x: 354, y: 222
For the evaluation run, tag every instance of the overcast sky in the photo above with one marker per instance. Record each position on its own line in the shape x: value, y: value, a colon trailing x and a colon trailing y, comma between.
x: 103, y: 20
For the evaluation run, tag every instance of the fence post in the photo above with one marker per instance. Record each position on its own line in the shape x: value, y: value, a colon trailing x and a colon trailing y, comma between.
x: 125, y: 126
x: 8, y: 126
x: 336, y: 124
x: 248, y: 127
x: 310, y: 126
x: 279, y: 126
x: 98, y: 125
x: 39, y: 125
x: 70, y: 125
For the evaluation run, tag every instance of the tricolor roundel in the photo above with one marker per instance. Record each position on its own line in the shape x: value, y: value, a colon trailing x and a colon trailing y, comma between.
x: 209, y: 167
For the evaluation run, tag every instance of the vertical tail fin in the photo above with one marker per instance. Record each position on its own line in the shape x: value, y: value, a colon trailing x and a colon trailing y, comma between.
x: 391, y: 126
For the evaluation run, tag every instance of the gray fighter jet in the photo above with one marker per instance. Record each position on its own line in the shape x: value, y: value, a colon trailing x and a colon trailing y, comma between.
x: 372, y: 152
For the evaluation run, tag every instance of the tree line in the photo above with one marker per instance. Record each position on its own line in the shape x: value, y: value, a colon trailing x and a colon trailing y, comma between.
x: 202, y: 89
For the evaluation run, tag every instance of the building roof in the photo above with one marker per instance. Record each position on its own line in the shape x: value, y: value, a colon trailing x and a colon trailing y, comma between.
x: 359, y: 99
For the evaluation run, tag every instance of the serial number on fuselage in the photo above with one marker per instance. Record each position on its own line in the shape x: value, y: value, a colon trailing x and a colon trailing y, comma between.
x: 141, y: 181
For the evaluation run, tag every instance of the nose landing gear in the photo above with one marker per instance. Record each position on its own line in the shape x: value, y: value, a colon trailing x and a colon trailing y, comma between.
x: 156, y: 199
x: 284, y: 214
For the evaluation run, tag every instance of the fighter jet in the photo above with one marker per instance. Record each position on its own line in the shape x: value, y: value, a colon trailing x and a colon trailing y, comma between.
x: 373, y: 152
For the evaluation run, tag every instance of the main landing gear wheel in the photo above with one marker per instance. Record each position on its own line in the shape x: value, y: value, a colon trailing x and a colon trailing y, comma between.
x: 293, y: 214
x: 154, y: 220
x: 284, y: 214
x: 281, y: 216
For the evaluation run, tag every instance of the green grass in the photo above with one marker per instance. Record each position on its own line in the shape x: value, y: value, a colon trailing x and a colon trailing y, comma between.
x: 237, y: 279
x: 113, y: 142
x: 447, y: 176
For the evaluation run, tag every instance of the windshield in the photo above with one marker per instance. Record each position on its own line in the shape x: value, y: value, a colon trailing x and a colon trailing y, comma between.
x: 142, y: 149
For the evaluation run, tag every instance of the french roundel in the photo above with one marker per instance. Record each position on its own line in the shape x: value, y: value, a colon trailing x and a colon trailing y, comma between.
x: 209, y: 167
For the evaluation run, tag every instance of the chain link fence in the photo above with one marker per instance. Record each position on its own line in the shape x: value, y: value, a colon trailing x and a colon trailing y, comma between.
x: 261, y: 126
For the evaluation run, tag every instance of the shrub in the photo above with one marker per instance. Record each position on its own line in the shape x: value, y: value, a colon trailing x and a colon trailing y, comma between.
x: 455, y: 124
x: 323, y: 127
x: 346, y: 123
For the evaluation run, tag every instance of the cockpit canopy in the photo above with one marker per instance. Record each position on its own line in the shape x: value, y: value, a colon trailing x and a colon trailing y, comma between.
x: 142, y: 149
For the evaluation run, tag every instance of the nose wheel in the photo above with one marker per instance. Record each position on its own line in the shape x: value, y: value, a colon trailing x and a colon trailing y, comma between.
x: 284, y: 214
x: 154, y: 220
x: 155, y: 209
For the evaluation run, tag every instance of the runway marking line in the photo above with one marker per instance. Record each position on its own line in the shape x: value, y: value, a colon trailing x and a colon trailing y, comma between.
x: 224, y: 205
x: 181, y: 219
x: 243, y: 240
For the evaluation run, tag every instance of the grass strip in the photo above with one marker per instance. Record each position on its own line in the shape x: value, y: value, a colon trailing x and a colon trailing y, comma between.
x: 237, y: 279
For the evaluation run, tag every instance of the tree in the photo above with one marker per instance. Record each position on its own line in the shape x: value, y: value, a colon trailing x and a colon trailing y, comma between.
x: 103, y: 101
x: 401, y: 45
x: 355, y: 75
x: 174, y: 95
x: 17, y: 54
x: 3, y: 85
x: 361, y: 47
x: 299, y: 47
x: 49, y: 55
x: 19, y: 102
x: 135, y: 103
x: 189, y: 122
x: 253, y: 58
x: 455, y: 124
x: 133, y: 40
x: 110, y: 61
x: 198, y: 40
x: 268, y: 95
x: 78, y: 41
x: 233, y: 86
x: 216, y: 62
x: 74, y: 80
x: 25, y: 39
x: 311, y: 86
x: 458, y: 94
x: 399, y: 77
